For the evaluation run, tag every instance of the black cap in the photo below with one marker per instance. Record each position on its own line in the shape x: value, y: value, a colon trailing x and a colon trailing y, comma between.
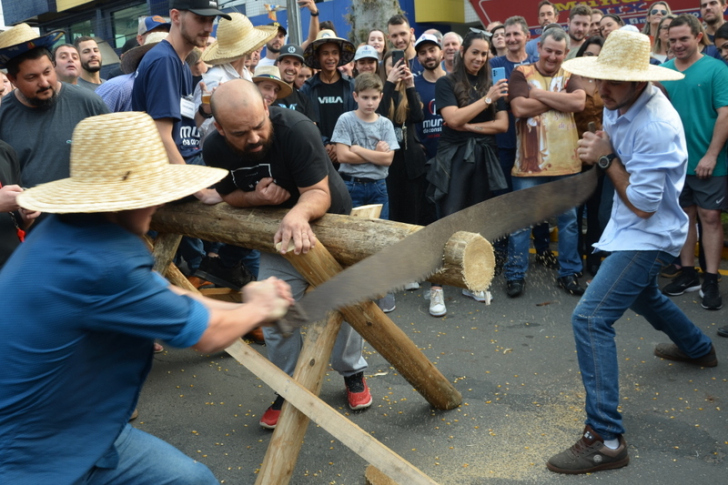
x: 280, y: 27
x: 291, y: 50
x: 205, y: 8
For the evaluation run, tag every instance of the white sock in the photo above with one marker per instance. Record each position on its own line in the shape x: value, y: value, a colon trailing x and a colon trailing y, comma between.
x: 612, y: 444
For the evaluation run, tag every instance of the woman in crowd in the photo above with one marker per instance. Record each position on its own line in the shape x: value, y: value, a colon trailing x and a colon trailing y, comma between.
x: 406, y: 182
x: 660, y: 47
x: 378, y: 40
x: 498, y: 41
x: 655, y: 13
x: 466, y: 169
x: 610, y: 23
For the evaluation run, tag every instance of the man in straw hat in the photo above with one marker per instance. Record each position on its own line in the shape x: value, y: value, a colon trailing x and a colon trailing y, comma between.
x: 73, y: 367
x: 37, y: 118
x: 271, y: 86
x: 330, y: 92
x: 642, y: 151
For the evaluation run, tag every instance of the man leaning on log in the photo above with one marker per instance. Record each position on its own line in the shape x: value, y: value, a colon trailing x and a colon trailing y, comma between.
x: 275, y: 158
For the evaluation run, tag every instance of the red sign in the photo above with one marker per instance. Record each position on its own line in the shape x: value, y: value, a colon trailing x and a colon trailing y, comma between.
x: 631, y: 11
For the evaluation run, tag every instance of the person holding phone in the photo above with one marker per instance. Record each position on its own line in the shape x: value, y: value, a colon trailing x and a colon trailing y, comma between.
x: 466, y: 169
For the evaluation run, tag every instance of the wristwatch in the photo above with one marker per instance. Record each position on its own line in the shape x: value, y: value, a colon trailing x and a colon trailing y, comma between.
x: 605, y: 161
x: 488, y: 101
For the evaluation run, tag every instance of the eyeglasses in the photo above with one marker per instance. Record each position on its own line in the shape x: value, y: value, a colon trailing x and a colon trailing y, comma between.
x: 479, y: 31
x: 655, y: 11
x: 590, y: 54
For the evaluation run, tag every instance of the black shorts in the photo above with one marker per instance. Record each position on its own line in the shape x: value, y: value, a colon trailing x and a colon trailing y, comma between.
x: 709, y: 194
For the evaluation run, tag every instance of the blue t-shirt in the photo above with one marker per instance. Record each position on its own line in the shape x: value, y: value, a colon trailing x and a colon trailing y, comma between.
x: 161, y: 84
x: 431, y: 127
x: 81, y: 310
x: 507, y: 140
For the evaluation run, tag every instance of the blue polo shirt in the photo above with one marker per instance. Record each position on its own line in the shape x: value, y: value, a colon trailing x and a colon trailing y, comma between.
x: 81, y: 309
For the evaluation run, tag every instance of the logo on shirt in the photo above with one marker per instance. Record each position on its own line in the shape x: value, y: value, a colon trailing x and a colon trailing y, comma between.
x: 432, y: 108
x: 331, y: 100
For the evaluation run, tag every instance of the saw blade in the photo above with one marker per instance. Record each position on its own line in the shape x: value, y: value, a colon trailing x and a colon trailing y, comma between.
x: 419, y: 255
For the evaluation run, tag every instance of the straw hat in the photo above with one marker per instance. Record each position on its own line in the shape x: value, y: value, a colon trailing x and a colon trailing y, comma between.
x: 624, y: 57
x: 131, y: 59
x: 22, y: 38
x: 118, y: 162
x: 273, y: 74
x: 237, y: 38
x: 324, y: 37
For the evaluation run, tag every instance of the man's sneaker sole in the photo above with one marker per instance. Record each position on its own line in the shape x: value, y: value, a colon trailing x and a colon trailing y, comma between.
x: 604, y: 466
x: 710, y: 307
x: 218, y: 281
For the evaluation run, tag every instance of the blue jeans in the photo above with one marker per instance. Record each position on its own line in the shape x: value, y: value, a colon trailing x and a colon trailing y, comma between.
x: 145, y: 459
x: 369, y: 193
x: 569, y: 259
x: 626, y: 279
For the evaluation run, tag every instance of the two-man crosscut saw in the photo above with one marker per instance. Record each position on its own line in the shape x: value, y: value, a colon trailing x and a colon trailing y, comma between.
x: 419, y: 255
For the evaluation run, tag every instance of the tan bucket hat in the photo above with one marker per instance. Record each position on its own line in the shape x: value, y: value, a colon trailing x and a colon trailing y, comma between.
x: 273, y: 74
x: 324, y: 37
x: 118, y: 162
x: 22, y: 38
x: 624, y: 57
x: 131, y: 59
x: 236, y: 38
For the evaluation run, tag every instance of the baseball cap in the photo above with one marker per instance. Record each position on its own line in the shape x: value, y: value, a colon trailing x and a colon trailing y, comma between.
x: 280, y: 27
x: 366, y: 52
x: 291, y: 50
x: 205, y: 8
x: 150, y: 23
x: 427, y: 38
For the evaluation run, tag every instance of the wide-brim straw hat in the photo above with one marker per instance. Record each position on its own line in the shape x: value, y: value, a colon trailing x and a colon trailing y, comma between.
x: 237, y: 38
x: 624, y: 57
x: 118, y: 162
x: 131, y: 59
x: 346, y: 49
x: 273, y: 74
x: 22, y: 38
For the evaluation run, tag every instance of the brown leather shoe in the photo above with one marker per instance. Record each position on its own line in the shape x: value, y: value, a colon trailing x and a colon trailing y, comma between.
x: 671, y: 352
x: 199, y: 283
x: 255, y: 336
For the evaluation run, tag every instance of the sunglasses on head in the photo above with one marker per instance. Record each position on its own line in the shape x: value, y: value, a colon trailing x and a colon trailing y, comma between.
x: 655, y: 11
x: 480, y: 31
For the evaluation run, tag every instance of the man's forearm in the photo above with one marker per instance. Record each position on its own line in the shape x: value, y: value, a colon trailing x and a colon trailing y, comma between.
x: 720, y: 133
x: 564, y: 102
x: 527, y: 107
x: 238, y: 198
x: 620, y: 178
x: 165, y: 132
x: 312, y: 204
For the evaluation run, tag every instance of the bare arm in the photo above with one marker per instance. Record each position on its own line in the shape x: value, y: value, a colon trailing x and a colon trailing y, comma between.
x: 705, y: 167
x: 498, y: 125
x: 573, y: 102
x: 265, y: 193
x: 457, y: 117
x: 313, y: 26
x: 523, y: 107
x: 312, y: 204
x: 356, y: 154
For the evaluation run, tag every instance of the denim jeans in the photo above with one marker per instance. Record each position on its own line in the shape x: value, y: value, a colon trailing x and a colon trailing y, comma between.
x: 626, y: 279
x: 569, y: 259
x: 145, y: 459
x: 369, y: 193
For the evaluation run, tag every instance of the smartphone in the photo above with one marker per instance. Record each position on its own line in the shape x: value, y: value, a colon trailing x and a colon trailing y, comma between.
x: 396, y: 56
x: 498, y: 74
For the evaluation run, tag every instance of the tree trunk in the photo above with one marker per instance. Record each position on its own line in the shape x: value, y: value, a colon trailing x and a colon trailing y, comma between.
x: 370, y: 14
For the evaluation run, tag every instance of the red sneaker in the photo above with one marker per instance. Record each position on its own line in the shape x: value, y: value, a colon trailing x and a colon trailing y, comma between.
x: 269, y: 420
x: 357, y: 391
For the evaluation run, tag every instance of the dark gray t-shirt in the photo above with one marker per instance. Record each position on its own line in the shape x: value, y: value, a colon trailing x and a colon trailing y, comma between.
x: 42, y: 137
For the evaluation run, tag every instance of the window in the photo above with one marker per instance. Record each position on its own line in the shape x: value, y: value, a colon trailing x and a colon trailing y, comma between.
x: 126, y: 23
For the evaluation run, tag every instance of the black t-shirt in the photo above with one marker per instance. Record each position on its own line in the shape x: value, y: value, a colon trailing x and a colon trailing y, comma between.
x: 331, y: 106
x: 295, y: 159
x: 9, y: 175
x: 297, y: 101
x: 445, y: 96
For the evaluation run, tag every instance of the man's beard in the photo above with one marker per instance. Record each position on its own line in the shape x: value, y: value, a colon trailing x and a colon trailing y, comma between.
x: 272, y: 49
x: 44, y: 103
x: 86, y: 67
x: 251, y: 158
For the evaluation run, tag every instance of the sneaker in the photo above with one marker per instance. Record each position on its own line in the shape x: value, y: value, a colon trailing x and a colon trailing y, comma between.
x: 687, y: 281
x: 515, y: 288
x: 437, y: 302
x: 588, y: 455
x: 547, y: 259
x: 671, y: 352
x: 269, y: 420
x: 199, y: 283
x: 723, y: 331
x: 387, y: 304
x: 571, y: 285
x: 670, y: 271
x: 256, y: 336
x: 475, y: 295
x: 357, y: 391
x: 412, y: 286
x: 710, y: 293
x: 234, y: 278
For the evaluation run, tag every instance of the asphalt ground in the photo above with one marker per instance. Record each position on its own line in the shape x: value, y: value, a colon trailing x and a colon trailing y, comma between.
x: 514, y: 363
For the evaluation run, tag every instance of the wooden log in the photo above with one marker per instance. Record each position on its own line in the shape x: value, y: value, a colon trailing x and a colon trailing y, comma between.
x: 348, y: 238
x: 351, y: 435
x: 374, y: 476
x: 474, y: 254
x: 285, y: 444
x: 382, y: 334
x: 165, y: 248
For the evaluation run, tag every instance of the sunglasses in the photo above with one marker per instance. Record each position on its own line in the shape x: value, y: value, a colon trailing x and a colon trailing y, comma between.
x: 479, y: 31
x: 655, y: 11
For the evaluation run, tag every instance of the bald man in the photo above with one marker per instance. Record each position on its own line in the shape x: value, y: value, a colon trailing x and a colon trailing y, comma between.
x: 275, y: 158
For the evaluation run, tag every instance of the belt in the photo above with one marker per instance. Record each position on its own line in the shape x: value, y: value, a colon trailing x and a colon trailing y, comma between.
x: 358, y: 180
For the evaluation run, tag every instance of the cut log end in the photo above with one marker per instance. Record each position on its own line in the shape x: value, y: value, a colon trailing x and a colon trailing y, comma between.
x: 374, y: 476
x: 474, y: 255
